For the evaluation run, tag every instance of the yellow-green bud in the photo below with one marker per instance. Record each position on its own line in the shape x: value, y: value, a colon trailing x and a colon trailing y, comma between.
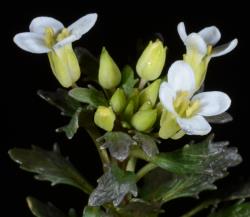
x: 104, y: 118
x: 150, y: 93
x: 168, y: 125
x: 152, y: 60
x: 65, y: 66
x: 146, y: 106
x: 129, y: 110
x: 144, y: 120
x: 109, y: 74
x: 118, y: 101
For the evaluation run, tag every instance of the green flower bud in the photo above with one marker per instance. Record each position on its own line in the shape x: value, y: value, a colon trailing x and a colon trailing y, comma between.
x: 152, y: 60
x: 118, y: 101
x: 129, y: 110
x: 104, y: 118
x: 144, y: 120
x: 150, y: 93
x: 146, y: 106
x: 109, y: 74
x: 64, y: 65
x: 168, y: 125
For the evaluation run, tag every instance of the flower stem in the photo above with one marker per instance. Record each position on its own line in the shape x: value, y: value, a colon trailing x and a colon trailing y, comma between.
x: 144, y: 170
x: 94, y: 134
x: 142, y: 84
x: 131, y: 164
x: 203, y: 205
x: 138, y: 153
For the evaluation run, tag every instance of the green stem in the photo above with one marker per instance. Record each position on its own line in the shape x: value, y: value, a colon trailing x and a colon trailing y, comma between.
x: 203, y: 205
x: 94, y: 134
x: 144, y: 170
x: 138, y: 153
x: 142, y: 84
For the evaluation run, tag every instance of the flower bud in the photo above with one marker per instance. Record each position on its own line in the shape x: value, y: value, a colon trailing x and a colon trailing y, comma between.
x: 150, y: 93
x: 146, y: 106
x: 118, y: 101
x: 104, y: 118
x: 65, y: 66
x: 129, y: 110
x: 109, y: 74
x: 144, y: 120
x: 152, y: 60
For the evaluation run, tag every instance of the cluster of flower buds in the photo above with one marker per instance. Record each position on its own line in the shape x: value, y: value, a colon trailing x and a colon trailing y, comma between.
x: 169, y: 109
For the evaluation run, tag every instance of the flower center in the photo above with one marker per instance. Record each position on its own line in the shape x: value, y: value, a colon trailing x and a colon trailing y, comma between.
x: 184, y: 107
x: 51, y: 38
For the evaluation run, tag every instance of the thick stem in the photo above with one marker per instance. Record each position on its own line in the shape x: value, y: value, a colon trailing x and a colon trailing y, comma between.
x: 142, y: 84
x: 203, y: 205
x: 144, y: 170
x: 94, y: 134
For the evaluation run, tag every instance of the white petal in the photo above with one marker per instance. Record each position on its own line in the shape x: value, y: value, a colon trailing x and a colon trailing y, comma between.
x: 83, y: 25
x: 182, y: 31
x: 40, y: 23
x: 65, y: 41
x: 224, y: 49
x: 167, y: 96
x: 31, y: 42
x: 181, y: 77
x: 196, y: 125
x: 212, y: 103
x: 195, y: 42
x: 211, y: 35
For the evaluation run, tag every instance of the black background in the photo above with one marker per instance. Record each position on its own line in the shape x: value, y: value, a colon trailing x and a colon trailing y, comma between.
x: 29, y: 120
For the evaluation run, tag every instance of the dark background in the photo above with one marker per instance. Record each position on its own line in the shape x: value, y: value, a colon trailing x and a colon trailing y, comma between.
x: 27, y: 119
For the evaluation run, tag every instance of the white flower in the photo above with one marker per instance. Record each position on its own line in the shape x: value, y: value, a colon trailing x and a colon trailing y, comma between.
x: 204, y: 40
x: 176, y: 95
x: 48, y: 35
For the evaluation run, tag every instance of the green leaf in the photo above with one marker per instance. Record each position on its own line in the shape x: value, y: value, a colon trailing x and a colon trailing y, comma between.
x: 128, y: 81
x: 140, y: 208
x: 220, y: 119
x: 49, y: 166
x: 118, y: 144
x: 61, y: 100
x: 113, y: 186
x: 236, y: 210
x: 91, y: 212
x: 162, y: 186
x: 206, y: 158
x: 40, y: 209
x: 71, y: 129
x: 148, y: 143
x: 90, y: 96
x: 88, y: 63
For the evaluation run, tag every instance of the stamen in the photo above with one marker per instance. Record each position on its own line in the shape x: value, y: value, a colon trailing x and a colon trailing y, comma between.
x: 49, y: 37
x: 62, y: 35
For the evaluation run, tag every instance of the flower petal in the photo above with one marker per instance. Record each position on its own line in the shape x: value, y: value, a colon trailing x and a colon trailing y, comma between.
x: 195, y: 42
x: 31, y: 42
x: 182, y: 31
x: 181, y: 77
x: 167, y: 96
x: 197, y: 125
x: 40, y: 23
x: 212, y: 103
x: 211, y: 35
x: 83, y: 25
x: 224, y: 49
x: 65, y: 41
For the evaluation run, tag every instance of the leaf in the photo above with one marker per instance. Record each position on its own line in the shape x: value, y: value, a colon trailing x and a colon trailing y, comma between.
x: 147, y: 143
x: 91, y: 212
x: 118, y: 144
x: 40, y: 209
x: 206, y: 158
x: 71, y: 129
x: 162, y: 186
x: 90, y: 96
x: 220, y: 119
x: 113, y: 186
x: 128, y: 81
x: 49, y: 166
x: 61, y: 100
x: 88, y: 63
x: 236, y: 210
x: 140, y: 208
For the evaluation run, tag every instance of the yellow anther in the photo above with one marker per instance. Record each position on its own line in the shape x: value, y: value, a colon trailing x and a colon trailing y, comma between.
x: 181, y: 96
x: 209, y: 50
x: 193, y: 108
x: 62, y: 35
x: 49, y: 37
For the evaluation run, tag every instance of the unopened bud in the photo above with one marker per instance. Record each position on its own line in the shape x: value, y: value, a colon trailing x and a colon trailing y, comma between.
x: 104, y: 118
x: 118, y: 101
